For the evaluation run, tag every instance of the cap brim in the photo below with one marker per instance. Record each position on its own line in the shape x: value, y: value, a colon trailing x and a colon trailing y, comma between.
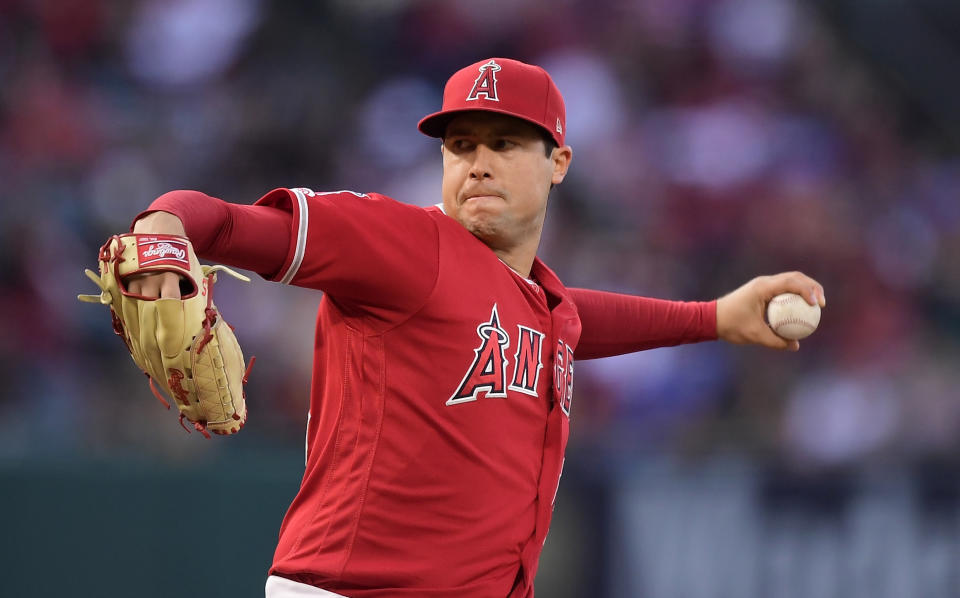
x: 435, y: 125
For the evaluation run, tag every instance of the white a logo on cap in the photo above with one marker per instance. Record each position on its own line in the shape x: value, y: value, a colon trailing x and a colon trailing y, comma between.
x: 486, y: 83
x: 559, y: 127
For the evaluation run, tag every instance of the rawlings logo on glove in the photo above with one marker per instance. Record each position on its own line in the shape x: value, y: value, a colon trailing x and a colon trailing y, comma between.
x: 150, y: 248
x: 182, y: 345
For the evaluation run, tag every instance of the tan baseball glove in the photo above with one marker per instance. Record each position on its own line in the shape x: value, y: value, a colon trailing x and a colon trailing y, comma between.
x: 182, y: 345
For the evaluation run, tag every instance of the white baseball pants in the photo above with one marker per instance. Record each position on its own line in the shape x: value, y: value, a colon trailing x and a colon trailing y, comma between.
x: 281, y: 587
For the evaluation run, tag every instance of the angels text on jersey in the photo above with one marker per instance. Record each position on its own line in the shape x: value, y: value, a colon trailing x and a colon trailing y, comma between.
x: 489, y: 374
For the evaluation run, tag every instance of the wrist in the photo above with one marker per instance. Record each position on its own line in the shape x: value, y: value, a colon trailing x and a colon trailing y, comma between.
x: 159, y: 223
x: 727, y: 318
x: 710, y: 319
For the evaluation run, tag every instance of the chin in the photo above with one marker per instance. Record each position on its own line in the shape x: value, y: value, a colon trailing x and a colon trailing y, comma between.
x: 485, y: 230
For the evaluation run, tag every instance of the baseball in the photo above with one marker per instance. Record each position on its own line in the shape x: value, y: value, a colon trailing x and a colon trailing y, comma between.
x: 791, y: 317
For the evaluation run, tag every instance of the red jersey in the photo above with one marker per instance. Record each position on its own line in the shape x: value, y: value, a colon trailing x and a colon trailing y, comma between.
x: 439, y: 404
x: 441, y: 391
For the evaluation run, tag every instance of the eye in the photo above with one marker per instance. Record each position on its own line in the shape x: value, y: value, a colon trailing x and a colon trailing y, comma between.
x: 461, y: 145
x: 503, y: 144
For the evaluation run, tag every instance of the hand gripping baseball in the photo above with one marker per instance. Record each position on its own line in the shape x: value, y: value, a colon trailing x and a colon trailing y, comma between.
x: 182, y: 344
x: 741, y: 313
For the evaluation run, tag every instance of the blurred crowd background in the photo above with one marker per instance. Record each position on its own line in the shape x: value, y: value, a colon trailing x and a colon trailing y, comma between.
x: 714, y: 140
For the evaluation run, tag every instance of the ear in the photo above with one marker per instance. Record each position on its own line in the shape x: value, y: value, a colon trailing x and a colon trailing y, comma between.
x: 561, y: 158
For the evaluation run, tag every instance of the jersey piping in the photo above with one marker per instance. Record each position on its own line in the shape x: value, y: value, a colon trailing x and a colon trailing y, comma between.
x: 300, y: 250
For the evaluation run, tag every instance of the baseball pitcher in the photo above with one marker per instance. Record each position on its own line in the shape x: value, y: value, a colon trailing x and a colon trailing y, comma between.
x: 444, y: 361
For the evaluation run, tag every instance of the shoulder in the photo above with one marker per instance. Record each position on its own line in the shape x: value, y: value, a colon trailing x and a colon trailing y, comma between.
x: 285, y: 196
x: 308, y: 203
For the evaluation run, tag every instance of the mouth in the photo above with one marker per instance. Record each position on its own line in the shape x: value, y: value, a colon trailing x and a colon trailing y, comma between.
x: 477, y: 197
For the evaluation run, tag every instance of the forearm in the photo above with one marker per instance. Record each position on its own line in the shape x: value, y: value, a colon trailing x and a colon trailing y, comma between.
x: 614, y: 324
x: 251, y: 237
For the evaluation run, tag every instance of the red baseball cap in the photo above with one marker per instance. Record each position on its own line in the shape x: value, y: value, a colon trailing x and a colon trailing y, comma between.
x: 504, y: 86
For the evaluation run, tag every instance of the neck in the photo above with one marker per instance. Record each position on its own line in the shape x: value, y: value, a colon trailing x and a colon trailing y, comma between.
x: 519, y: 259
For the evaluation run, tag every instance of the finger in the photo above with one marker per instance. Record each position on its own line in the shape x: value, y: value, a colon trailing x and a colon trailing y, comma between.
x: 135, y: 286
x: 816, y: 293
x: 169, y: 285
x: 811, y: 290
x: 768, y: 338
x: 798, y: 283
x: 149, y: 287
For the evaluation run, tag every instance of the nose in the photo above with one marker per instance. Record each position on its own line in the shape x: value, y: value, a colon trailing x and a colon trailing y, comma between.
x: 482, y: 162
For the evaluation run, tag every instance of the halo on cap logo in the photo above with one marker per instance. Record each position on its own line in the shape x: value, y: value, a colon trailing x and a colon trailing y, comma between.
x: 486, y: 83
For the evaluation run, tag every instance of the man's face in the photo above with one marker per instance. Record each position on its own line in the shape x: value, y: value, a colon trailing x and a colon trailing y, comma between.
x: 496, y: 177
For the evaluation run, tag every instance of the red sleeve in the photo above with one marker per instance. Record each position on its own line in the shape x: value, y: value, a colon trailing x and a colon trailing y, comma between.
x: 250, y: 237
x: 365, y: 251
x: 614, y: 324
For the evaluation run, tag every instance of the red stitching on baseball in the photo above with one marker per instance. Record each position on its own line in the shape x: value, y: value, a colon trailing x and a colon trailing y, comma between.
x: 786, y: 299
x: 795, y: 321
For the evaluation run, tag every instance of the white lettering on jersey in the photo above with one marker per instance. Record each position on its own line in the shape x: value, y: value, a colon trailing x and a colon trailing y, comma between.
x: 487, y: 372
x: 312, y: 193
x: 563, y: 376
x: 527, y: 361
